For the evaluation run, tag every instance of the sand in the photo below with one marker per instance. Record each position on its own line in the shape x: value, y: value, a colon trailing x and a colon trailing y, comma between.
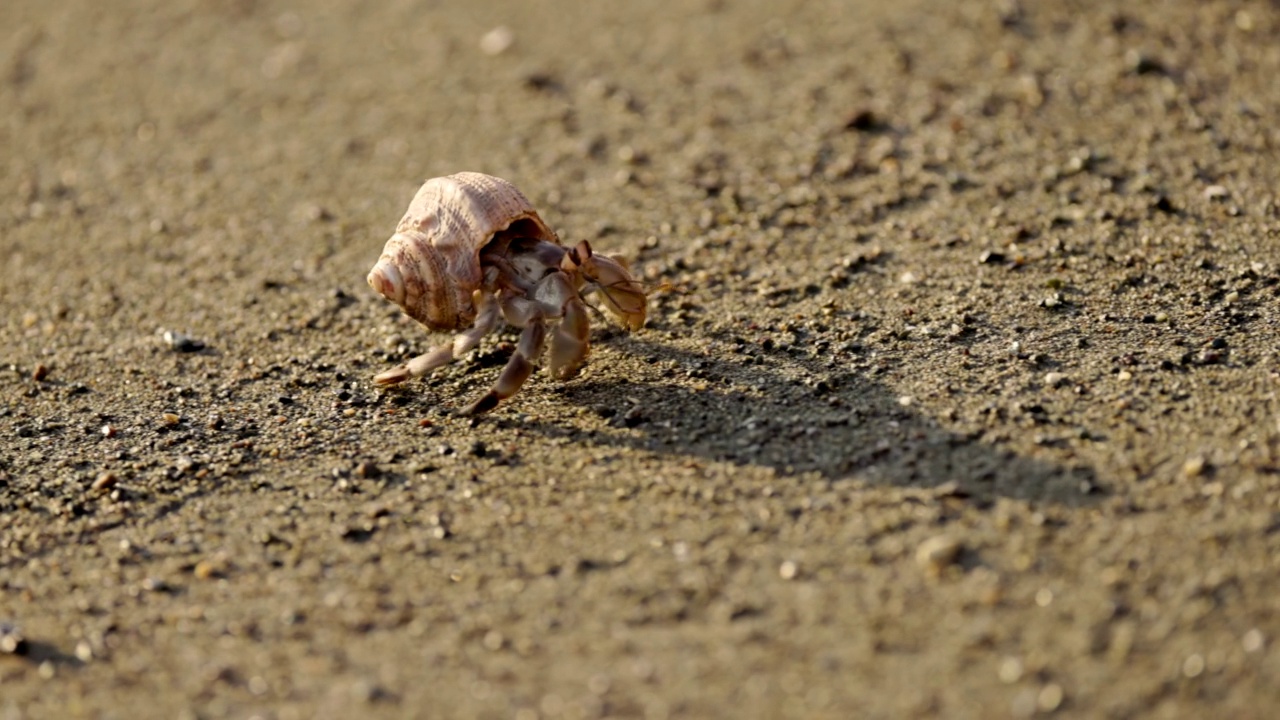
x: 958, y: 396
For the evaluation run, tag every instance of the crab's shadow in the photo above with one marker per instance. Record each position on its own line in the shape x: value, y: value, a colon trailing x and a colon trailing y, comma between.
x: 839, y: 424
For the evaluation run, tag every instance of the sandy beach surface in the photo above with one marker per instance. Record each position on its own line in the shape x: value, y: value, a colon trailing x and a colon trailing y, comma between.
x: 957, y: 397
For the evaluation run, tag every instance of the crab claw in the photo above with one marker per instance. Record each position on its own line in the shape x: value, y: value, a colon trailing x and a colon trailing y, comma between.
x: 621, y: 295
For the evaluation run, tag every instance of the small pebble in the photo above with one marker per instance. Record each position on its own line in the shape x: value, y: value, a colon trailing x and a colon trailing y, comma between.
x: 108, y: 431
x: 104, y: 481
x: 493, y: 640
x: 11, y: 640
x: 152, y: 584
x: 1193, y: 665
x: 937, y: 553
x: 84, y: 651
x: 208, y: 569
x: 1142, y: 64
x: 788, y: 570
x: 369, y: 692
x: 1050, y: 698
x: 1253, y: 641
x: 367, y: 470
x: 1216, y: 192
x: 1010, y: 670
x: 633, y: 417
x: 1054, y: 379
x: 1209, y: 357
x: 182, y: 343
x: 1194, y: 466
x: 40, y: 373
x: 171, y: 418
x: 863, y: 120
x: 497, y: 41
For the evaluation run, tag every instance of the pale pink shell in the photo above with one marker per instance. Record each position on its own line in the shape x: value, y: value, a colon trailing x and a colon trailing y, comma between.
x: 431, y: 266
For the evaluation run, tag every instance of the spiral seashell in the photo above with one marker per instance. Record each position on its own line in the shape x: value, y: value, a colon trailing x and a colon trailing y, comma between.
x: 431, y: 267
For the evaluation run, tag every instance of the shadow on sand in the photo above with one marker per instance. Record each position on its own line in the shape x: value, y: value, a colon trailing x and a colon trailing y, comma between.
x: 841, y: 426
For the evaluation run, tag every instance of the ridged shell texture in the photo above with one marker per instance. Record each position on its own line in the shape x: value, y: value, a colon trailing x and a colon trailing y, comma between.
x: 431, y: 265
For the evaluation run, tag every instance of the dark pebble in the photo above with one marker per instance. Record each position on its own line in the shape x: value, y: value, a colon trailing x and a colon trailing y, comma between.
x: 863, y: 121
x: 1164, y: 205
x: 478, y: 449
x: 367, y: 469
x: 41, y: 372
x: 1142, y: 64
x: 989, y: 257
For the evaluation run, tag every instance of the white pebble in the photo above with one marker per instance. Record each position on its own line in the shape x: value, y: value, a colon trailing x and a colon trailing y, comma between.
x: 1010, y: 670
x: 936, y: 553
x: 1050, y: 697
x: 497, y: 40
x: 1252, y: 641
x: 1193, y: 665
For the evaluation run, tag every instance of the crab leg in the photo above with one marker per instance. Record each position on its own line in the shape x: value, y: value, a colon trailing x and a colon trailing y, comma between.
x: 517, y: 369
x: 441, y: 355
x: 571, y: 340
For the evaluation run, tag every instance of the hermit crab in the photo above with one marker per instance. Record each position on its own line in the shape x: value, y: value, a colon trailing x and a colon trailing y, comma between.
x: 471, y: 249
